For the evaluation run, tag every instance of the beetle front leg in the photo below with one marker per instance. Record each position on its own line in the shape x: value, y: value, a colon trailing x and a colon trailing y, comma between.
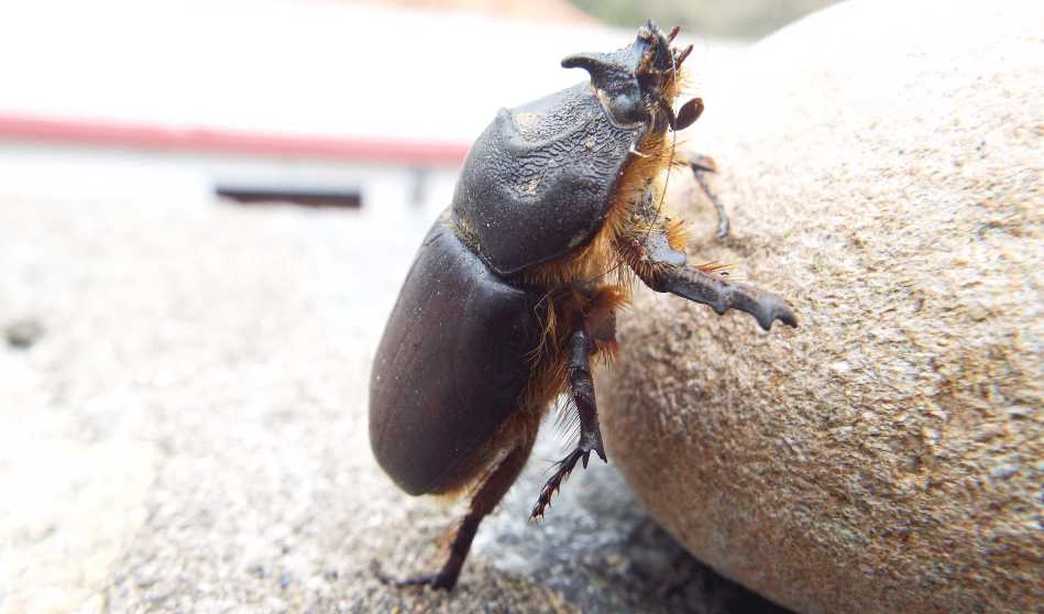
x: 581, y: 387
x: 703, y: 287
x: 663, y: 269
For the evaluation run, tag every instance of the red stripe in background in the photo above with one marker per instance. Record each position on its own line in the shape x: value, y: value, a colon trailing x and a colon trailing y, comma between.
x: 209, y: 140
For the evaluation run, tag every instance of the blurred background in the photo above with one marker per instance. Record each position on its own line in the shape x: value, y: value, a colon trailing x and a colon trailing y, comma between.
x: 206, y: 210
x: 358, y: 105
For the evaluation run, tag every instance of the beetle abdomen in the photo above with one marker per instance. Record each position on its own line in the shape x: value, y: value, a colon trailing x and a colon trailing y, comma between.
x: 539, y: 181
x: 451, y: 367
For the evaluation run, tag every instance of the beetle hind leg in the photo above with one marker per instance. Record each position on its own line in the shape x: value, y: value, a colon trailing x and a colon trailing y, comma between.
x: 485, y: 499
x: 581, y: 385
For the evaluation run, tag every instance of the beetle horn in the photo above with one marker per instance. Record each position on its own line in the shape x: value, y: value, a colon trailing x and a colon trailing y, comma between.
x: 613, y: 73
x: 599, y: 65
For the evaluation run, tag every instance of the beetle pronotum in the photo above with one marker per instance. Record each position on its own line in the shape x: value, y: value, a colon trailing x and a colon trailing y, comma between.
x: 507, y: 303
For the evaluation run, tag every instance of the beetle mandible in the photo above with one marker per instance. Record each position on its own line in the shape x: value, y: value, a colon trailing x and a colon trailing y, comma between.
x: 508, y: 304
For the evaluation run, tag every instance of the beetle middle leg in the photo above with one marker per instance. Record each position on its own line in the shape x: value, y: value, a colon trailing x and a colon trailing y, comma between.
x: 485, y: 499
x: 581, y: 387
x: 701, y: 166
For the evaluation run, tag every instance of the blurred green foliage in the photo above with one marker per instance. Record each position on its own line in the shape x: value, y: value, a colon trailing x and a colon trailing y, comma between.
x: 716, y: 18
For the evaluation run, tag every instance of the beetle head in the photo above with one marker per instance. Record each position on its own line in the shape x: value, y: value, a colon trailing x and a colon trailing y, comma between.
x: 638, y: 84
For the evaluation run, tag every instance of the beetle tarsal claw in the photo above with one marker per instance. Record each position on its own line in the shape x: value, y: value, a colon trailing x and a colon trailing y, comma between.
x: 563, y: 468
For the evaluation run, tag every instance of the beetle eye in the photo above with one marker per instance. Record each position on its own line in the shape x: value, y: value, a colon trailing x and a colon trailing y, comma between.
x: 626, y: 108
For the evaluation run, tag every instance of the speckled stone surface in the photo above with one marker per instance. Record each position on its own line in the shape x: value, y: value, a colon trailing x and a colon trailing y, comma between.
x: 883, y: 165
x: 183, y: 420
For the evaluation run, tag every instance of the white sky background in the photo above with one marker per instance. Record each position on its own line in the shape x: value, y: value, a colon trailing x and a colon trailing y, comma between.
x: 263, y: 65
x: 327, y: 69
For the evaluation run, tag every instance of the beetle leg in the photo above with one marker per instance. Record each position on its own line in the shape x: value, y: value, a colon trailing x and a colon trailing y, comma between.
x: 701, y: 165
x: 581, y: 386
x: 562, y: 470
x: 663, y: 269
x: 483, y: 501
x: 703, y: 287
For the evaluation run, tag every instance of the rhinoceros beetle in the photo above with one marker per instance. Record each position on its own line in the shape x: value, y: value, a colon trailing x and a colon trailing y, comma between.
x: 513, y: 292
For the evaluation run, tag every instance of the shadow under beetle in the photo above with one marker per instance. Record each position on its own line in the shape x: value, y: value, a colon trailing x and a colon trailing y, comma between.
x: 514, y: 290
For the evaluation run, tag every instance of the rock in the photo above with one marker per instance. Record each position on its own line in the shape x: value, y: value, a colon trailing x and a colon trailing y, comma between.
x: 882, y: 161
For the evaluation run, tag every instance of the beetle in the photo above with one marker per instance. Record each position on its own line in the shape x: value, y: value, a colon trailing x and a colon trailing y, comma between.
x: 513, y: 292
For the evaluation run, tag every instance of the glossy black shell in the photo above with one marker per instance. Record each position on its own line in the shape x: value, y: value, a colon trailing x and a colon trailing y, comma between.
x: 451, y: 367
x: 539, y: 181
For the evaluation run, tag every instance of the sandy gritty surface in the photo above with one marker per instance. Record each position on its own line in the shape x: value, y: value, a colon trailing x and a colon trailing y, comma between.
x: 184, y: 429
